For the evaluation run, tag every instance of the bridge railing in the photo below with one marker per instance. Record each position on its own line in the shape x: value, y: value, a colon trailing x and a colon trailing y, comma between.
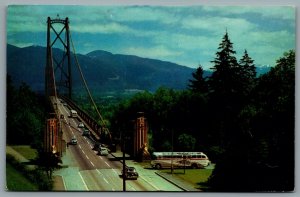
x: 91, y: 122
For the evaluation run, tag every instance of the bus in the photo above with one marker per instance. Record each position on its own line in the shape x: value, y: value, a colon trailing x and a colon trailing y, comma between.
x: 179, y: 160
x: 73, y: 113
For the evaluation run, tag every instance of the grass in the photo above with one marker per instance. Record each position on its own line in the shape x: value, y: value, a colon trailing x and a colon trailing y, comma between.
x: 16, y: 181
x: 26, y: 151
x: 196, y: 177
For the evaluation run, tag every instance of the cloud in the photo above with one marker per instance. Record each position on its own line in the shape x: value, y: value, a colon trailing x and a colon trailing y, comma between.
x: 143, y: 14
x: 102, y: 28
x: 157, y: 52
x: 279, y: 12
x: 218, y: 24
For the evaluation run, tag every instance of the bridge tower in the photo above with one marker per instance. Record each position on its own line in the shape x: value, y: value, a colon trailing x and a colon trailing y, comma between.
x: 58, y: 34
x: 141, y: 137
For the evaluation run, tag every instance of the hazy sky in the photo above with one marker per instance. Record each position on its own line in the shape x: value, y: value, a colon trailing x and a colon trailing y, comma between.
x: 187, y: 35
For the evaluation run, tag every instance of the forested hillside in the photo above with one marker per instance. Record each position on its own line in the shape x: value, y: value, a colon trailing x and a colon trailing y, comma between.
x: 103, y: 71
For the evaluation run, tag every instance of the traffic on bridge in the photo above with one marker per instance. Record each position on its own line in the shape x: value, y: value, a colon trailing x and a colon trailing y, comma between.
x: 84, y: 169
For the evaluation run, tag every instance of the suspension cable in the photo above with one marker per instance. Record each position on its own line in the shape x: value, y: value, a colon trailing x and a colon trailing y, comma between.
x: 86, y: 86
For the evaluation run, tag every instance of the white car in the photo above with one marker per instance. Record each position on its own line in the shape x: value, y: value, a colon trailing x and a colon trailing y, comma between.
x: 74, y: 140
x: 81, y: 125
x: 102, y: 151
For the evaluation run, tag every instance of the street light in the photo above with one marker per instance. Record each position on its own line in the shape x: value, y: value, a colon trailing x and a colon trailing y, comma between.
x: 172, y: 154
x: 124, y: 165
x: 124, y: 138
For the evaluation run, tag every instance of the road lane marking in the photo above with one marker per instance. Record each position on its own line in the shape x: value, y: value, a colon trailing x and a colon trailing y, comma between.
x: 83, y: 181
x: 131, y: 187
x: 86, y: 156
x: 107, y: 164
x: 79, y: 146
x: 92, y: 163
x: 65, y: 186
x: 112, y: 188
x: 115, y: 171
x: 105, y: 180
x: 149, y: 182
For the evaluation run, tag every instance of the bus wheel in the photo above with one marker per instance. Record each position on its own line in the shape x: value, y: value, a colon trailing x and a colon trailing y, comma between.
x: 158, y: 166
x: 194, y: 166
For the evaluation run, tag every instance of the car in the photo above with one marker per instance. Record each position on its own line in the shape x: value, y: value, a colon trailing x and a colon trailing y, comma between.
x: 81, y: 125
x: 86, y: 132
x: 97, y: 145
x: 130, y: 173
x: 74, y: 140
x: 102, y: 151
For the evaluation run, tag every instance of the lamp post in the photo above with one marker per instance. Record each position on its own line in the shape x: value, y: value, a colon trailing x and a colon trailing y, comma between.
x: 172, y: 154
x: 124, y: 170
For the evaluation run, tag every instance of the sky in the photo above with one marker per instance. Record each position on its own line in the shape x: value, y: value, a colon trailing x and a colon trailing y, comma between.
x: 186, y: 35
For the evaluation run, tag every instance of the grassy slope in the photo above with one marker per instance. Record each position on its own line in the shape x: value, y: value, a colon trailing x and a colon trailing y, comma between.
x: 26, y: 151
x: 193, y: 176
x: 15, y: 181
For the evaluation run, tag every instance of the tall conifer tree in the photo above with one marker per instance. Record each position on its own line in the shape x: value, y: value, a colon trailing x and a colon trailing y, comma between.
x: 198, y: 83
x: 225, y: 69
x: 248, y: 73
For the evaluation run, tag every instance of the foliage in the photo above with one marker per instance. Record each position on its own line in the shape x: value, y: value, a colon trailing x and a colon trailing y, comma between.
x: 244, y: 123
x: 25, y: 125
x: 25, y: 116
x: 198, y: 83
x: 48, y: 162
x: 263, y: 130
x: 186, y: 142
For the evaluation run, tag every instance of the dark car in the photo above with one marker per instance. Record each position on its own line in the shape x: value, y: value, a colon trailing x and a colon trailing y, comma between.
x: 86, y: 132
x: 130, y: 173
x: 97, y: 145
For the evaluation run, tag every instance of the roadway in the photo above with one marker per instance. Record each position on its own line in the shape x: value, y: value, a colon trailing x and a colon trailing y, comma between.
x: 85, y: 170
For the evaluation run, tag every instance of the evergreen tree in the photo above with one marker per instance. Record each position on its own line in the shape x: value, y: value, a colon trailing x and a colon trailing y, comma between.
x: 225, y: 93
x: 198, y: 83
x: 225, y: 69
x: 247, y: 73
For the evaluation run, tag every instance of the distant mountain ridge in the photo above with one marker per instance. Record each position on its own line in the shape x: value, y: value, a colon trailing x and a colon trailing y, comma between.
x: 103, y: 70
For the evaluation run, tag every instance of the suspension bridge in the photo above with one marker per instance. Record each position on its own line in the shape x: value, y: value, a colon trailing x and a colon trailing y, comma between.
x: 59, y: 91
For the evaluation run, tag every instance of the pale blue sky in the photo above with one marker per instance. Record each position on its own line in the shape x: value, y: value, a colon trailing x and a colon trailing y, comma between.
x: 187, y: 35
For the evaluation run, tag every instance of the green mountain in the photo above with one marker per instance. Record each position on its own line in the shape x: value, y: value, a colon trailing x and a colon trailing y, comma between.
x: 102, y: 70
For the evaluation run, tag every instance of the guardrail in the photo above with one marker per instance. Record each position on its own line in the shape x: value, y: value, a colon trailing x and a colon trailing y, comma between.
x: 92, y: 123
